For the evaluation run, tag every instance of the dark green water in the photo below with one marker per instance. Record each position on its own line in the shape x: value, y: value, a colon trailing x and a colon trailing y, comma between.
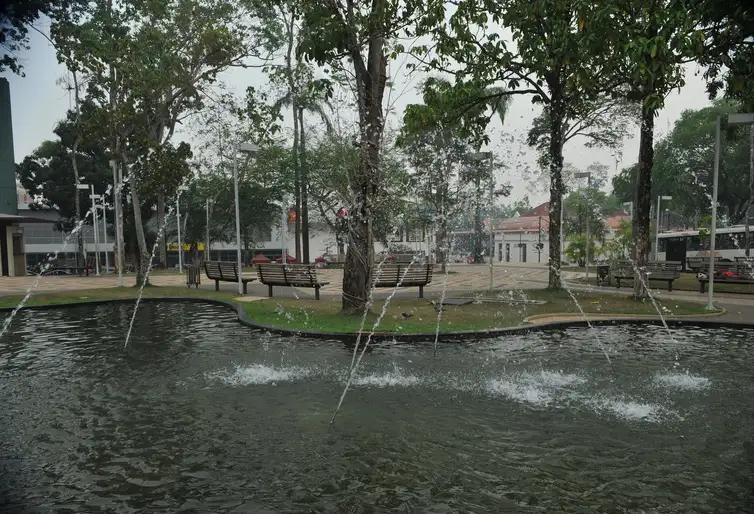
x: 203, y: 415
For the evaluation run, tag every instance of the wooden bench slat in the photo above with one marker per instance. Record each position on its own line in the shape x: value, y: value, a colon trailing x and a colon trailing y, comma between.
x: 290, y: 275
x: 221, y: 271
x: 403, y: 275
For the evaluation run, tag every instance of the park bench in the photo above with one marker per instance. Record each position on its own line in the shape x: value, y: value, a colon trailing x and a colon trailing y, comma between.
x: 741, y: 274
x: 697, y: 264
x: 289, y: 275
x: 403, y: 275
x: 88, y: 264
x: 221, y: 271
x: 666, y: 271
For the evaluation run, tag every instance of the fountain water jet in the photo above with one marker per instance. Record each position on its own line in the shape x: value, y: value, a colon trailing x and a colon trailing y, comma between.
x: 156, y: 245
x: 589, y: 323
x: 377, y: 322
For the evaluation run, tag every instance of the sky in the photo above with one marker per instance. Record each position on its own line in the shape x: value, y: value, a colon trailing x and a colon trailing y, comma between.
x: 39, y: 100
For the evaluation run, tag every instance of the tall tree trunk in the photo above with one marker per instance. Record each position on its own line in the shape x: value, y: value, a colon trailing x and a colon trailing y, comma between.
x: 555, y: 150
x: 365, y: 182
x: 643, y: 200
x: 304, y: 190
x: 750, y: 202
x: 141, y: 240
x: 296, y: 184
x: 81, y: 253
x: 162, y: 245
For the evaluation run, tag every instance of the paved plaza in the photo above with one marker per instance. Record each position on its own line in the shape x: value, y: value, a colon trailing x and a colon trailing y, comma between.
x: 462, y: 279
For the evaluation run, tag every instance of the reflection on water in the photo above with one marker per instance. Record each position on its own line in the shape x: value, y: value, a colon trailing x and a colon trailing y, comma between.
x: 201, y: 414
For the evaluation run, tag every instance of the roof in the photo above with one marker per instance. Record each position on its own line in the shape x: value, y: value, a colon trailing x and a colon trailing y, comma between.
x: 13, y: 218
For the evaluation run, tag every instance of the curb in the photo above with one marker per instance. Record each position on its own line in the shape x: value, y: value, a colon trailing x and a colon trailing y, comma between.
x: 702, y: 321
x: 592, y: 317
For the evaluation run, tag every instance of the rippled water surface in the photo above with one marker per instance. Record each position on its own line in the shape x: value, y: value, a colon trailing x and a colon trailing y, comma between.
x: 201, y: 414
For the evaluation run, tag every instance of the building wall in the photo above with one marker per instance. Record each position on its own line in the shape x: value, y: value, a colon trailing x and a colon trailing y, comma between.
x: 8, y: 203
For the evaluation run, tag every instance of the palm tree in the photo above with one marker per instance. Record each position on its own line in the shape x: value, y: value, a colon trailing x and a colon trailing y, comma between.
x: 314, y: 104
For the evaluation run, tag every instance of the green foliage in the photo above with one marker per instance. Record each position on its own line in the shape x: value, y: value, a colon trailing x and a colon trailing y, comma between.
x: 591, y: 204
x: 510, y: 210
x: 603, y: 122
x: 15, y: 18
x: 576, y: 250
x: 619, y: 248
x: 47, y: 174
x: 684, y: 161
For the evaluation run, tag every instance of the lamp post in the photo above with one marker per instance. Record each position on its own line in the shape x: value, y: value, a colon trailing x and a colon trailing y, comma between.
x: 247, y: 148
x: 660, y: 198
x: 206, y: 246
x: 178, y: 218
x: 733, y: 119
x: 118, y: 220
x: 104, y: 233
x: 588, y: 176
x: 81, y: 250
x: 93, y: 197
x: 284, y: 231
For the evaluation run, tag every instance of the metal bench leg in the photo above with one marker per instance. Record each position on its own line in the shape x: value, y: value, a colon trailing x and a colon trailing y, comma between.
x: 244, y: 287
x: 316, y: 292
x: 670, y: 286
x: 217, y: 285
x: 617, y: 283
x: 701, y: 287
x: 421, y: 291
x: 270, y: 291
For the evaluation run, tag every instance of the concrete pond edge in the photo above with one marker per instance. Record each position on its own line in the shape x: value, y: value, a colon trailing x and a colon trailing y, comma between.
x: 702, y: 321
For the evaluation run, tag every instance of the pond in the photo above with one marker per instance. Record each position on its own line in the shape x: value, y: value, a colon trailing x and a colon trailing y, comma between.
x: 201, y: 414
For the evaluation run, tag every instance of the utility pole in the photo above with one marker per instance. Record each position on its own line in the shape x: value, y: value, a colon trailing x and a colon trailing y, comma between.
x: 747, y: 240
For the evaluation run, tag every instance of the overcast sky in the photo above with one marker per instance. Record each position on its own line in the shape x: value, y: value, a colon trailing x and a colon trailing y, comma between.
x: 39, y: 101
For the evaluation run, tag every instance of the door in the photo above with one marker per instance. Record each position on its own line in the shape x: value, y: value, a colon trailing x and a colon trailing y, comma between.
x: 507, y: 252
x: 675, y: 250
x: 499, y: 252
x: 523, y: 252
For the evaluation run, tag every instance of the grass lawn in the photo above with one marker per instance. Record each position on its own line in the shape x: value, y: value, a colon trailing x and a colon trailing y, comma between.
x: 325, y: 314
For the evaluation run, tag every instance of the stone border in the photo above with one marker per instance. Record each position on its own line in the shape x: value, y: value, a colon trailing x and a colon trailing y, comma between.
x: 445, y: 337
x: 592, y: 317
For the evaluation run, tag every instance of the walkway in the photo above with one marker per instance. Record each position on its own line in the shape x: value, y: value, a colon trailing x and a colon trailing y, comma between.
x: 462, y: 279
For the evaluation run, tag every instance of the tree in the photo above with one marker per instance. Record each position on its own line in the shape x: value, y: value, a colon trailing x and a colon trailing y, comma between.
x: 47, y: 174
x: 590, y: 206
x: 602, y: 123
x: 15, y: 18
x: 562, y: 52
x: 576, y: 250
x: 433, y: 139
x: 359, y: 32
x: 513, y: 209
x: 655, y: 38
x: 148, y: 66
x: 684, y: 161
x: 334, y: 157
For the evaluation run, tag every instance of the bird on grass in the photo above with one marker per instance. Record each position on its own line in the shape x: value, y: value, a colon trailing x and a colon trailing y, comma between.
x: 437, y: 308
x: 406, y: 315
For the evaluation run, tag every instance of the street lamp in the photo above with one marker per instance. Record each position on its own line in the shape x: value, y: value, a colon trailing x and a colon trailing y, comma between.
x: 206, y: 247
x: 248, y: 149
x: 178, y: 217
x: 733, y: 119
x: 117, y: 180
x: 93, y: 197
x: 81, y: 249
x: 657, y: 228
x: 588, y: 176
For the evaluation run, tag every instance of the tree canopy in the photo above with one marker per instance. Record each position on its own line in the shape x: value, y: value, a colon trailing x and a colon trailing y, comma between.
x: 684, y: 161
